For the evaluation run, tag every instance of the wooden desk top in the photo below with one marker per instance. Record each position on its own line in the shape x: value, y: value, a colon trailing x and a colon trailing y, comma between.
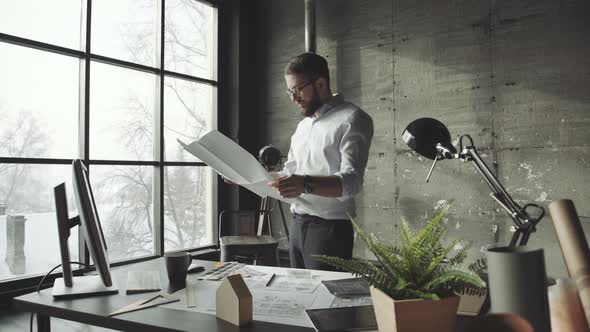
x: 94, y: 310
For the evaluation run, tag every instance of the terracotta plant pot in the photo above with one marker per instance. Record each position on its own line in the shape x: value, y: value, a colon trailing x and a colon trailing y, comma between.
x: 414, y: 315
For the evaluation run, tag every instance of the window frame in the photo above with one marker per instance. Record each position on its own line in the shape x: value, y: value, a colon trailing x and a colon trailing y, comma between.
x: 86, y: 57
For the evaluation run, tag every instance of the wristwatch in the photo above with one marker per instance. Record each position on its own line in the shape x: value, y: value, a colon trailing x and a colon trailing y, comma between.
x: 307, y: 184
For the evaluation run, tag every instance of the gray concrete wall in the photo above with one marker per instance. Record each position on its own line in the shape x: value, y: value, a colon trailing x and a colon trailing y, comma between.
x: 515, y: 75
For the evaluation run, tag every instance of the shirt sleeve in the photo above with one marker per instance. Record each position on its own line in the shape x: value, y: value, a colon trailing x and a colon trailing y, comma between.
x: 290, y: 166
x: 354, y: 151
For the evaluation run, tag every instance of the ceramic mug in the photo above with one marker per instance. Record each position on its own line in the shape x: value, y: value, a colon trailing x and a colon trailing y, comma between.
x: 177, y: 264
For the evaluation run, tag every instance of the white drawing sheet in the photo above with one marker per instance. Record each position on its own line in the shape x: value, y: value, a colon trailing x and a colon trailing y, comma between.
x: 295, y: 283
x: 275, y: 307
x: 230, y: 160
x: 291, y: 305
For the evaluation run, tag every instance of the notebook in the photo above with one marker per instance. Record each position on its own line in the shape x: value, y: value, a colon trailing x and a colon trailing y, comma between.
x: 348, y: 287
x: 143, y: 281
x: 471, y: 301
x: 360, y: 318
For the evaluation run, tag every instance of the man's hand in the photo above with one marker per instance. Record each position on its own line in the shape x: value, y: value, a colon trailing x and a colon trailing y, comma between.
x: 289, y: 186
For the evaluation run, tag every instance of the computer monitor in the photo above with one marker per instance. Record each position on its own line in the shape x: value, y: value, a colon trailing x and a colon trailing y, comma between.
x: 91, y: 229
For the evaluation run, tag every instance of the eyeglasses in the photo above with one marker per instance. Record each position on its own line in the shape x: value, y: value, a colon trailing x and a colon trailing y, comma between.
x: 296, y: 91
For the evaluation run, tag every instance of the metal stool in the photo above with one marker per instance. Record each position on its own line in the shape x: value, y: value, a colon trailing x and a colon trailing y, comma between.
x: 249, y: 245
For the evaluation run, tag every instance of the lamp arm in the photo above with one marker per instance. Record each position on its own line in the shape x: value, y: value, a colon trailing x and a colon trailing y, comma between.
x: 498, y: 192
x: 524, y: 223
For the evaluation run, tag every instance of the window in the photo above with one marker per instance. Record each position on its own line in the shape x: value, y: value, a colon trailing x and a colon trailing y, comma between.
x: 115, y: 85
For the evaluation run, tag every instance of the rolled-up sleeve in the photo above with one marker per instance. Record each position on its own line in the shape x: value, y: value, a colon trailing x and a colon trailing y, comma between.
x: 354, y: 151
x: 290, y: 166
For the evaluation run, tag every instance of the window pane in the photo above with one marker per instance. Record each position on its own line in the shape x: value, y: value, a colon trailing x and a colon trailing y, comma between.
x: 121, y: 109
x: 125, y: 29
x: 55, y: 22
x: 123, y: 197
x: 187, y: 212
x: 38, y: 104
x: 189, y: 45
x: 188, y: 112
x: 29, y: 243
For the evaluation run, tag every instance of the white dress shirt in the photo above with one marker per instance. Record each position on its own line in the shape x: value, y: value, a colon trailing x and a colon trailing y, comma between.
x: 334, y: 142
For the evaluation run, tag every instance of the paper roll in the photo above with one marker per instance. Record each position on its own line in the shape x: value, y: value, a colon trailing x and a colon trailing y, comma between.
x: 565, y: 308
x: 574, y: 247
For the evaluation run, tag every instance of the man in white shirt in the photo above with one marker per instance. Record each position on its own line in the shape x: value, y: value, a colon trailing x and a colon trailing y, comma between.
x: 326, y: 164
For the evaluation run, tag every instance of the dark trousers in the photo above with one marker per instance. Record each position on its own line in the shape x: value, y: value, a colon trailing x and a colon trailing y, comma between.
x: 311, y: 235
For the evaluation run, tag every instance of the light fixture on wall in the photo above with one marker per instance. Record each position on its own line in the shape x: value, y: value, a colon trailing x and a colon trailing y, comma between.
x: 431, y: 139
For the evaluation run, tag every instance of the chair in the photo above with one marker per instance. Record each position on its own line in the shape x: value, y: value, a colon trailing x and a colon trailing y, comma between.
x: 241, y: 239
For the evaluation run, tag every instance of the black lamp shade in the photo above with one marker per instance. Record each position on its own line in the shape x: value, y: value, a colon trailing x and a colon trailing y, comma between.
x: 422, y: 136
x: 270, y: 156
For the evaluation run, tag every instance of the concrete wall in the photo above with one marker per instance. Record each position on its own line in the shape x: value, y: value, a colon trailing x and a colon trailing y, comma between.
x: 515, y: 75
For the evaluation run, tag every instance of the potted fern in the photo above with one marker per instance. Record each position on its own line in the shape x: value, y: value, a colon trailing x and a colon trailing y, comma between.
x: 414, y: 285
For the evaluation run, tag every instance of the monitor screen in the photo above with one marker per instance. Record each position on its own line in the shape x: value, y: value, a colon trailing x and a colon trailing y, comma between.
x: 90, y: 222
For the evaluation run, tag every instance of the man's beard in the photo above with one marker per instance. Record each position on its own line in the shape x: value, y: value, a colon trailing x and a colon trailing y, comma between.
x: 313, y: 106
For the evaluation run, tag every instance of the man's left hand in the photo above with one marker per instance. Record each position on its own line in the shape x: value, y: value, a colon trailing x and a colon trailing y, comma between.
x: 289, y: 186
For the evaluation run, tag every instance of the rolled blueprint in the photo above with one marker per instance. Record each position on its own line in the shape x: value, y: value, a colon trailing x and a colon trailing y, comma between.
x: 565, y: 307
x: 574, y: 247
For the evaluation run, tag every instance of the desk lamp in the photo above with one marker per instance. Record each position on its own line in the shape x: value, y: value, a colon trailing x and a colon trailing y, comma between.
x: 431, y: 139
x: 272, y: 159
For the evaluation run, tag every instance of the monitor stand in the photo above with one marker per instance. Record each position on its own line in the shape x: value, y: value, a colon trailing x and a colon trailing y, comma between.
x: 70, y: 286
x: 82, y: 286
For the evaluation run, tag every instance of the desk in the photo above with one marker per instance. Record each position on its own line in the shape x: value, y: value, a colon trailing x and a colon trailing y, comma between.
x: 94, y: 310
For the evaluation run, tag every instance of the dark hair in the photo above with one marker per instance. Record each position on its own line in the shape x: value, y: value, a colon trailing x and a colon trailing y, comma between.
x: 311, y: 65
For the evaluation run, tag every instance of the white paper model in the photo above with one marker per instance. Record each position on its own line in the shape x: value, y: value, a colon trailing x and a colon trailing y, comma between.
x: 234, y: 301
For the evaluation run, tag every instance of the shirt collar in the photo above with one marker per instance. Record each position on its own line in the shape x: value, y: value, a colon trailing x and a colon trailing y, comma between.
x: 336, y: 100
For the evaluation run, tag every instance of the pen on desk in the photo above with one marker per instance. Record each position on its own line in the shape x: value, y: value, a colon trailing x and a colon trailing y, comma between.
x: 272, y: 277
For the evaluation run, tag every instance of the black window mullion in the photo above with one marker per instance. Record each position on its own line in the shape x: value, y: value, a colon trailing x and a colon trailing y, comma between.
x: 159, y: 127
x: 30, y: 43
x: 191, y: 78
x: 124, y: 64
x: 123, y: 162
x: 37, y: 161
x: 84, y: 109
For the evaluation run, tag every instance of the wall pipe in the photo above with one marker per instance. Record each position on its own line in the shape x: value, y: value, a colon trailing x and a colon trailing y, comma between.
x: 310, y: 37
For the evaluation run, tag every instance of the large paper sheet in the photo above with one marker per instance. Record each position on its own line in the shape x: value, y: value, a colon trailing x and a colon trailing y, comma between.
x: 295, y: 281
x: 284, y: 306
x: 233, y: 162
x: 274, y: 307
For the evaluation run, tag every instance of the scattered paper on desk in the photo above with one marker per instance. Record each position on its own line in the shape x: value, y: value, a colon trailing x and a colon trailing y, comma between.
x: 221, y: 271
x: 299, y: 273
x: 274, y: 307
x: 228, y: 269
x: 199, y: 295
x: 230, y: 160
x: 250, y: 272
x: 258, y: 282
x: 283, y: 304
x: 142, y: 282
x: 353, y: 301
x: 295, y: 281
